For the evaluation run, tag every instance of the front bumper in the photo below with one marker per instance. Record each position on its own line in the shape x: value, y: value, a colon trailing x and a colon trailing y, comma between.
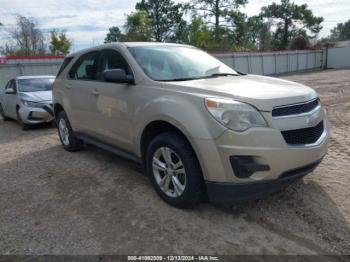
x: 236, y: 192
x: 36, y: 115
x: 267, y: 147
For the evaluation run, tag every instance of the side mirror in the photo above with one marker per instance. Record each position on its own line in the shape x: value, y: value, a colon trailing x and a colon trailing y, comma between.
x: 117, y: 76
x: 10, y: 91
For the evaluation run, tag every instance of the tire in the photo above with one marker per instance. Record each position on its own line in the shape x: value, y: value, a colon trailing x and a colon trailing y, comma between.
x: 2, y: 114
x: 24, y: 126
x: 66, y: 134
x: 189, y: 192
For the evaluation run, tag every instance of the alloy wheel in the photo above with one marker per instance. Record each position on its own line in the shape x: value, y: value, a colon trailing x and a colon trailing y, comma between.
x: 64, y: 131
x: 169, y: 172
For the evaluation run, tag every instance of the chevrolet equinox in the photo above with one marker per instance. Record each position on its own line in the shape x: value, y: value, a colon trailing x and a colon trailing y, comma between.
x: 199, y: 127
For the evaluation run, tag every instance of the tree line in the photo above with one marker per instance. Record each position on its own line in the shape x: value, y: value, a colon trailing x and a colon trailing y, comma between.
x: 220, y: 25
x: 207, y: 24
x: 28, y: 40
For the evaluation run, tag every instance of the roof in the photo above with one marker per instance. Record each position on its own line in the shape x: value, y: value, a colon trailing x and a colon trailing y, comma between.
x: 134, y: 44
x: 127, y: 44
x: 34, y: 77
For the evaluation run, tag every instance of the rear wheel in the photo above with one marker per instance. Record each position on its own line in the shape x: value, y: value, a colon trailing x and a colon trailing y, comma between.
x: 69, y: 141
x: 24, y: 126
x: 173, y: 168
x: 2, y: 114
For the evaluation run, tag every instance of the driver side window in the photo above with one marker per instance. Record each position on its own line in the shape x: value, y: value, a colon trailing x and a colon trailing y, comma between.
x: 111, y: 59
x: 11, y: 84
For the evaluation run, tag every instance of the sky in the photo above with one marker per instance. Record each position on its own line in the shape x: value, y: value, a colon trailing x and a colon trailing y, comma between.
x: 87, y: 22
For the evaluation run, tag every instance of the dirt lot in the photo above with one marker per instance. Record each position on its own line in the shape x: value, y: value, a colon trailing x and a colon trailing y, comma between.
x: 93, y: 202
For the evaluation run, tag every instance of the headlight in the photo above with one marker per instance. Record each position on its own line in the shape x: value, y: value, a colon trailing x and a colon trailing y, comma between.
x: 31, y: 104
x: 234, y: 115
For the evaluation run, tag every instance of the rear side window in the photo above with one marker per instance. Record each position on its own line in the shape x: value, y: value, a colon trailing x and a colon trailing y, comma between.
x: 66, y: 61
x: 86, y: 67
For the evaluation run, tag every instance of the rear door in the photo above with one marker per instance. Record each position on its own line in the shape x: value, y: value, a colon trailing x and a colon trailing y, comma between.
x: 80, y: 90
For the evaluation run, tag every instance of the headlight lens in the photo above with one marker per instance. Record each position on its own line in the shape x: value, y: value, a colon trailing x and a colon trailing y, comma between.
x: 31, y: 104
x: 234, y: 115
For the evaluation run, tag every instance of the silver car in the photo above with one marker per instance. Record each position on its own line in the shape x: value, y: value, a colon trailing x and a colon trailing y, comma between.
x: 198, y: 126
x: 28, y: 99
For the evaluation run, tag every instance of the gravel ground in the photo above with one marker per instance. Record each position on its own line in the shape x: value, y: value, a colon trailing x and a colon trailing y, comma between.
x: 93, y: 202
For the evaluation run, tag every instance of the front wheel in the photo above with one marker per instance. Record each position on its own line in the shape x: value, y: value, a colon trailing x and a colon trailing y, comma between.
x: 23, y: 125
x: 174, y: 171
x: 2, y: 114
x: 69, y: 141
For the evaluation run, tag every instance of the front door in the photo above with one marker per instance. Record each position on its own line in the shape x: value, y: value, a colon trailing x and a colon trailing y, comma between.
x: 114, y: 102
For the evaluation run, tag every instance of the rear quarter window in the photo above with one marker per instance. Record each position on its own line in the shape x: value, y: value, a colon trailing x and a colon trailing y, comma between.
x: 65, y: 63
x: 85, y: 68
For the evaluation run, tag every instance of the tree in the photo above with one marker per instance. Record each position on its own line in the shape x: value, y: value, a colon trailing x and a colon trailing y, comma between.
x: 115, y: 35
x: 265, y: 37
x: 299, y: 43
x: 341, y: 32
x: 60, y: 44
x: 199, y: 34
x: 180, y: 34
x: 164, y: 15
x: 137, y: 27
x: 291, y: 20
x: 27, y: 39
x: 218, y: 9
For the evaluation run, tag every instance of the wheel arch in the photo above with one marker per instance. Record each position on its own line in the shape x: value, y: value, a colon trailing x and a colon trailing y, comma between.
x: 157, y: 127
x: 57, y: 109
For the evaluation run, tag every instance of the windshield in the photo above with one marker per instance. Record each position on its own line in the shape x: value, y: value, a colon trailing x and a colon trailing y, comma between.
x: 35, y: 84
x: 178, y: 63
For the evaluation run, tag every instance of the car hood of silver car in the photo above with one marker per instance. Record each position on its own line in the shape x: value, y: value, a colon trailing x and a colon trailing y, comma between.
x: 263, y: 92
x: 41, y: 96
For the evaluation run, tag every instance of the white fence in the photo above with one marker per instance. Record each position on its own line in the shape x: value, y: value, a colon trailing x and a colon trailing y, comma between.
x: 338, y: 57
x: 19, y: 66
x: 273, y: 63
x: 269, y: 63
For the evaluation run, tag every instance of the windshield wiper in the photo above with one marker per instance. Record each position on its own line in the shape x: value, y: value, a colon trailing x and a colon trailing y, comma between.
x: 221, y: 74
x: 201, y: 77
x: 180, y: 79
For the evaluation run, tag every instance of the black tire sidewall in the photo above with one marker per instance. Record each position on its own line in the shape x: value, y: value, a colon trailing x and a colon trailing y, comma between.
x: 194, y: 181
x: 2, y: 114
x: 74, y: 143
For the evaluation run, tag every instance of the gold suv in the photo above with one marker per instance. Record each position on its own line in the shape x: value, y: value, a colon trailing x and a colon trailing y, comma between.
x: 198, y: 126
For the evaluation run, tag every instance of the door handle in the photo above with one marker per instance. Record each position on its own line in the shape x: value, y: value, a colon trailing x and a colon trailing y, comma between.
x: 95, y: 93
x: 68, y: 86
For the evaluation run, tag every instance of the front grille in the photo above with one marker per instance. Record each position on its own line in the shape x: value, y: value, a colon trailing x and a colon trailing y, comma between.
x: 295, y: 109
x: 303, y: 136
x: 34, y: 118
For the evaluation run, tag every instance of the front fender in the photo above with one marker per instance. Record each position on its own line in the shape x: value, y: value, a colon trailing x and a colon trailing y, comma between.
x: 184, y: 111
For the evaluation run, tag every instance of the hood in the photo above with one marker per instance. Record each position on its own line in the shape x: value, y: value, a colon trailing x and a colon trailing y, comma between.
x: 263, y: 92
x: 42, y: 96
